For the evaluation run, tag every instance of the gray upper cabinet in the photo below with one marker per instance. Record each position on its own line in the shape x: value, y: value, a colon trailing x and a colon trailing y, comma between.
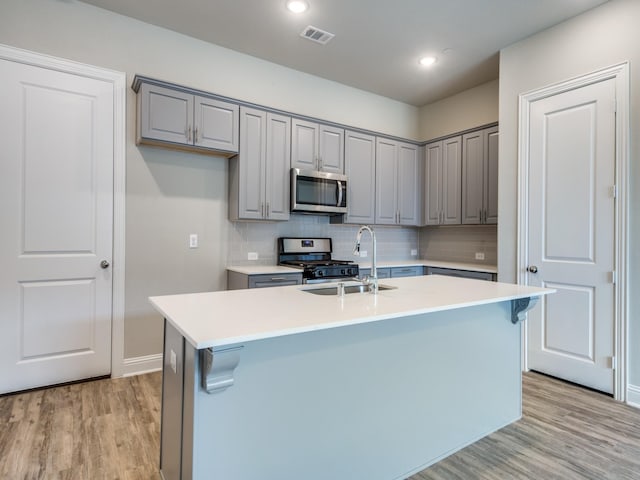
x: 397, y: 187
x: 259, y: 186
x: 443, y: 173
x: 317, y: 147
x: 177, y: 118
x: 492, y: 137
x: 360, y: 168
x: 479, y: 176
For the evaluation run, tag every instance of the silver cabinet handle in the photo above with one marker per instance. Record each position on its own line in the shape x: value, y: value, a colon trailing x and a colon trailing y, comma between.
x: 262, y: 209
x: 189, y: 135
x: 104, y: 264
x: 319, y: 163
x: 195, y: 135
x: 532, y: 269
x: 268, y: 213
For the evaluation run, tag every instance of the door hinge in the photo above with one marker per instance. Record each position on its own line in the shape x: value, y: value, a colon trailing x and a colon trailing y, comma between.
x: 615, y: 105
x: 613, y: 191
x: 612, y: 363
x: 612, y: 277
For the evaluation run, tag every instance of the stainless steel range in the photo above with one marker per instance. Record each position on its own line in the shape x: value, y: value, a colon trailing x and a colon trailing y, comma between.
x: 313, y: 256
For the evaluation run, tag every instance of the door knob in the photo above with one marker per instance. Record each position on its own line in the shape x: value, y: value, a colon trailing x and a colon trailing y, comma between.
x: 104, y: 264
x: 532, y: 269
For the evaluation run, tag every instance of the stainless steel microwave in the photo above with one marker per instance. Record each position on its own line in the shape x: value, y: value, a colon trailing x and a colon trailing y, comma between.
x: 318, y: 192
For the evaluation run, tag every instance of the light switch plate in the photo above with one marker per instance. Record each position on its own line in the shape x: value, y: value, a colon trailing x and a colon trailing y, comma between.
x: 414, y: 252
x: 174, y: 362
x: 252, y: 255
x: 193, y: 240
x: 479, y: 256
x: 363, y: 254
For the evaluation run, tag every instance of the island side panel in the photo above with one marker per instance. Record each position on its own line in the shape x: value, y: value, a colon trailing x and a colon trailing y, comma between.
x: 378, y: 401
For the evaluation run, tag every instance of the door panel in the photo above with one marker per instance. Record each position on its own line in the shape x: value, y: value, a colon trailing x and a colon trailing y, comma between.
x: 216, y: 124
x: 360, y: 168
x: 331, y: 149
x: 571, y: 234
x: 56, y: 218
x: 278, y: 160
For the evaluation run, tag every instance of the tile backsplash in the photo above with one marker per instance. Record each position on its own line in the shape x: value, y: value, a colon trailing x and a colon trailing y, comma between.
x: 460, y: 243
x: 394, y: 243
x: 457, y: 243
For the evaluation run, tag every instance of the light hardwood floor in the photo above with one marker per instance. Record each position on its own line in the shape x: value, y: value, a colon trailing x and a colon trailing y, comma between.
x: 109, y: 429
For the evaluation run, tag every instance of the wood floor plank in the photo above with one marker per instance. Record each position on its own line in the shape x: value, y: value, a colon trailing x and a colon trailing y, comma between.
x: 110, y: 429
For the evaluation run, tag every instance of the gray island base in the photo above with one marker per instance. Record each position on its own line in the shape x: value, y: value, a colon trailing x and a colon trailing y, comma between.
x: 362, y: 395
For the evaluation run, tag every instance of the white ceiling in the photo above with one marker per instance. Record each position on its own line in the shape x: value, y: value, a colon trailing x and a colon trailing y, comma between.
x: 377, y: 43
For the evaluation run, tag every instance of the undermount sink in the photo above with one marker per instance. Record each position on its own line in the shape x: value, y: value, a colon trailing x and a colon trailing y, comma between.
x: 333, y: 290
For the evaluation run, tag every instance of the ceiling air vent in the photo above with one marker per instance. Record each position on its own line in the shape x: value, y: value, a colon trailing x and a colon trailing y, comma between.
x: 317, y: 35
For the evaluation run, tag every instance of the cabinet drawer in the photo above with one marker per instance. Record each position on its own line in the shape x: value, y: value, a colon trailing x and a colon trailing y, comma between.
x: 263, y: 281
x: 382, y: 272
x: 407, y: 271
x: 452, y: 272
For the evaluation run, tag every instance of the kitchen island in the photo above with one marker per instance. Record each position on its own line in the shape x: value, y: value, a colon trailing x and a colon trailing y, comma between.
x: 282, y: 383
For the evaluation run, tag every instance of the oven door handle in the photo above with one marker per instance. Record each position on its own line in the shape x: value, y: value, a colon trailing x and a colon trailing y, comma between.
x: 339, y: 194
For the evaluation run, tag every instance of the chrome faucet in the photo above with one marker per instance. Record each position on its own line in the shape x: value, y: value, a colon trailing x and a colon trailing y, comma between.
x: 372, y: 280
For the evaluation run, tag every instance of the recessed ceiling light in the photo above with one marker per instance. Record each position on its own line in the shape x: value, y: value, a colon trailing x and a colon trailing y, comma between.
x: 297, y: 6
x: 427, y: 61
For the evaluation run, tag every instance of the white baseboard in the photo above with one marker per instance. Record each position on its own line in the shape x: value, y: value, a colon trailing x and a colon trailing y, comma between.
x: 633, y: 395
x: 139, y: 365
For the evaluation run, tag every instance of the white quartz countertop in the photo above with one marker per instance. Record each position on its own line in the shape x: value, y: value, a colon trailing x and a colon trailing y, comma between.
x: 263, y: 269
x: 217, y: 319
x: 366, y: 263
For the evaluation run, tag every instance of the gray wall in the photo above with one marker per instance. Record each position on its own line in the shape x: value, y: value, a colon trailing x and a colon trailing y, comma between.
x: 602, y: 37
x: 469, y: 109
x: 171, y: 194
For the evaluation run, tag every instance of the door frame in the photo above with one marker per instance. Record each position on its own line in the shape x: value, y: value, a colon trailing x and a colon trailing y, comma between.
x: 620, y: 73
x: 118, y: 79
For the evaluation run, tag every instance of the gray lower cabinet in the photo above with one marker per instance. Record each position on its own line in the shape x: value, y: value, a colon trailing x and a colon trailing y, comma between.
x: 173, y: 117
x: 454, y: 272
x: 443, y: 175
x: 360, y: 169
x: 238, y: 281
x: 480, y: 177
x: 259, y: 176
x: 397, y: 183
x: 317, y: 147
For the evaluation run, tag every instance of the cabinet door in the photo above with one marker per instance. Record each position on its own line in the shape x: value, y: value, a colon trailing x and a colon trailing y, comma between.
x: 216, y: 124
x: 165, y: 115
x: 278, y: 159
x: 451, y: 180
x: 360, y: 159
x: 491, y: 175
x: 472, y: 177
x: 433, y: 183
x: 386, y: 181
x: 408, y: 184
x: 304, y: 145
x: 250, y: 170
x: 331, y: 149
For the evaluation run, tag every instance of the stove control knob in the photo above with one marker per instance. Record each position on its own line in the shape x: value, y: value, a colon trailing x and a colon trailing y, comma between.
x: 342, y: 271
x: 319, y: 273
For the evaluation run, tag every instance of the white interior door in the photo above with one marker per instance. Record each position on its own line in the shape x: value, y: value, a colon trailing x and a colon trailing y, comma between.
x: 56, y: 218
x: 571, y: 234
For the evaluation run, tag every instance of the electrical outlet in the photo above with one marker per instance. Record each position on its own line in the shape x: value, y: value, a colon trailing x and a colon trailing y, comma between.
x: 193, y: 240
x: 414, y: 252
x: 479, y: 256
x: 363, y: 254
x: 252, y: 255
